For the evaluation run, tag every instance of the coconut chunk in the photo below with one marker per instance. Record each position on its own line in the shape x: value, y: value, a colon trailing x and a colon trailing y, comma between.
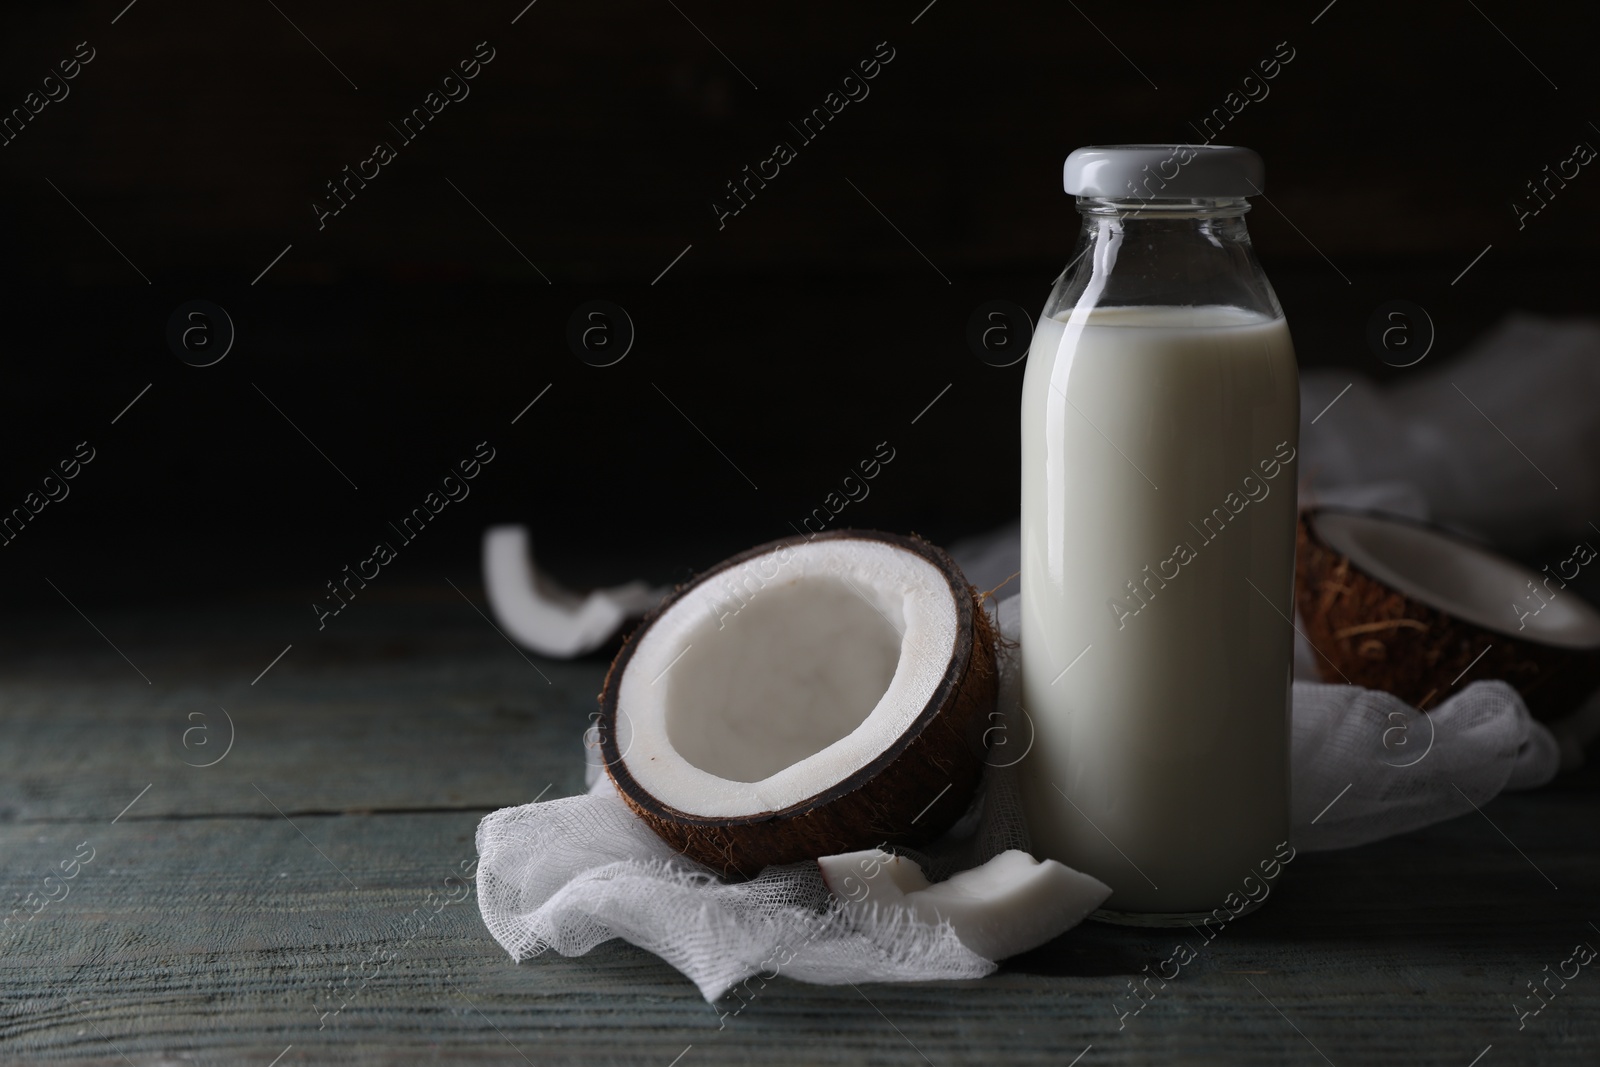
x: 540, y: 615
x: 853, y: 876
x: 998, y: 909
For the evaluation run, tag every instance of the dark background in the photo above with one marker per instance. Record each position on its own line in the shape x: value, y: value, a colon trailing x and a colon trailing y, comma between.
x: 796, y: 338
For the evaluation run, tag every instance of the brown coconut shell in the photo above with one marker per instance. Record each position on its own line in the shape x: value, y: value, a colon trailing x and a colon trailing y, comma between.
x: 1372, y: 635
x: 911, y: 793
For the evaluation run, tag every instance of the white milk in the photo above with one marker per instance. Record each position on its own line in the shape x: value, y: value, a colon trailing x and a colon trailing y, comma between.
x: 1158, y: 450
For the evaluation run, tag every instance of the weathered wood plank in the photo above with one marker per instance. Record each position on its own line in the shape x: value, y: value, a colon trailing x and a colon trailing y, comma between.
x: 403, y: 707
x: 209, y: 928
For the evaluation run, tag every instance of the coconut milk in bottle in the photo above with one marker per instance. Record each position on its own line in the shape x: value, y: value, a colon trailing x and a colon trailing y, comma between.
x: 1160, y: 419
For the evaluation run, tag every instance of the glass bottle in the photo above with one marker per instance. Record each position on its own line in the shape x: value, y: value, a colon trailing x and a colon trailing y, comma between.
x: 1160, y: 417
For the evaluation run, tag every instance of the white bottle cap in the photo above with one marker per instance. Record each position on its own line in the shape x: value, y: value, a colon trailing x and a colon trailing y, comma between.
x: 1163, y: 171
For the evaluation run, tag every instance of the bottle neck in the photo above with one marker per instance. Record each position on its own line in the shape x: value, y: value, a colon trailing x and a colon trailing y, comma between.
x: 1147, y: 208
x: 1149, y: 252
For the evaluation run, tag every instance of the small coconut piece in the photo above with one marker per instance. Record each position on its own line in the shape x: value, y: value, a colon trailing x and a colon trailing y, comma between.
x: 539, y: 614
x: 1405, y: 607
x: 999, y: 909
x: 855, y: 876
x: 807, y: 697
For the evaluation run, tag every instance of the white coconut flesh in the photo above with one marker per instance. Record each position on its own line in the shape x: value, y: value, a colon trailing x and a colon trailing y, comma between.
x: 773, y: 680
x: 999, y: 909
x: 539, y: 614
x: 1458, y: 578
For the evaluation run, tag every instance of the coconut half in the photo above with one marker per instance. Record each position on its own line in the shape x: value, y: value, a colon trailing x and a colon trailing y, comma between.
x: 998, y: 909
x: 1405, y: 607
x: 807, y: 697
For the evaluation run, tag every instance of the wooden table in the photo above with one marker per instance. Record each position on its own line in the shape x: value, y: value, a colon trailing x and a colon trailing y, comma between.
x: 232, y: 914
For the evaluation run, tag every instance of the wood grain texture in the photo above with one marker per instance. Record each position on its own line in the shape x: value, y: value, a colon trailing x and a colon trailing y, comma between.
x: 210, y: 929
